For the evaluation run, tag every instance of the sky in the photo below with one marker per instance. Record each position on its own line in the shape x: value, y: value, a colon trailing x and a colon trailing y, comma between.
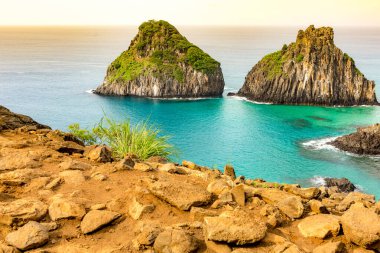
x: 191, y: 12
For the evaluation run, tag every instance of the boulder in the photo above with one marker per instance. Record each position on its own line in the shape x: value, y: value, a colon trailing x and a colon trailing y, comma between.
x: 69, y: 147
x: 214, y: 247
x: 175, y: 241
x: 319, y: 226
x: 343, y: 184
x: 171, y: 168
x: 96, y: 219
x: 237, y: 227
x: 183, y: 195
x: 330, y: 247
x: 356, y: 197
x: 198, y: 213
x: 21, y: 211
x: 136, y: 209
x: 62, y: 208
x: 30, y: 236
x: 99, y: 153
x: 20, y: 177
x: 361, y: 226
x: 291, y: 206
x: 219, y: 186
x: 305, y: 193
x: 190, y: 165
x: 146, y: 235
x: 229, y: 171
x: 316, y: 206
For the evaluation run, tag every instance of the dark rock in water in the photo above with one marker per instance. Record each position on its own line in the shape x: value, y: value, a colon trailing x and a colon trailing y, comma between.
x: 310, y: 71
x: 10, y: 120
x: 230, y: 94
x: 365, y: 141
x: 343, y: 184
x: 161, y: 63
x: 299, y: 123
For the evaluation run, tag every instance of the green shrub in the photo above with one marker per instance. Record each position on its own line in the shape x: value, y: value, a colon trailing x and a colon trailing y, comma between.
x: 299, y: 58
x: 272, y: 64
x: 84, y: 135
x: 143, y: 139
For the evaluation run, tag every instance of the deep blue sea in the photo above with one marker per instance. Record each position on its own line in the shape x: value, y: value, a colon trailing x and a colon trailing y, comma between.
x: 45, y: 73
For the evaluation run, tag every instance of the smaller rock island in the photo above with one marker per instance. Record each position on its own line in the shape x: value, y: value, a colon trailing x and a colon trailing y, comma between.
x: 310, y: 71
x: 161, y: 63
x: 365, y: 141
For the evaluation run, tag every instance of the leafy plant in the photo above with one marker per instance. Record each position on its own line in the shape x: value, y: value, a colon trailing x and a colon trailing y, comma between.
x: 143, y: 139
x: 86, y: 136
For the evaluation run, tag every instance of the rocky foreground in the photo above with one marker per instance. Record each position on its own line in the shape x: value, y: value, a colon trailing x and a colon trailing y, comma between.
x: 58, y: 195
x: 365, y: 141
x: 310, y: 71
x: 161, y: 63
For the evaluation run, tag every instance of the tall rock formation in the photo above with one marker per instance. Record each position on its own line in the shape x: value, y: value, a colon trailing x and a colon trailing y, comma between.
x: 161, y: 63
x: 311, y: 71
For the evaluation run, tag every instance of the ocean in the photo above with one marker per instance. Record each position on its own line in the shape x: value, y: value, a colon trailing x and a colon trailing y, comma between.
x: 46, y: 73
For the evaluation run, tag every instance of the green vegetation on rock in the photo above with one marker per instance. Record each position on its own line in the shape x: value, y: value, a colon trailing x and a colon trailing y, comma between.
x: 142, y: 139
x: 299, y: 58
x: 159, y: 49
x: 272, y: 64
x: 347, y: 58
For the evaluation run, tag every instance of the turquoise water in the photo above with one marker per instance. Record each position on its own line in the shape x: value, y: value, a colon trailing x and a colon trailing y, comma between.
x: 45, y: 73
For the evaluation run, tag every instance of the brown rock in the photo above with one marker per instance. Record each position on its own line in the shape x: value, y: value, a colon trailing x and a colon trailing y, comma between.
x: 190, y: 165
x: 237, y: 227
x: 292, y: 207
x: 218, y: 186
x: 175, y: 241
x: 343, y: 184
x: 22, y: 210
x: 147, y: 234
x: 10, y: 120
x: 319, y: 226
x: 330, y: 247
x: 142, y: 167
x: 4, y: 248
x: 316, y: 206
x: 239, y: 194
x: 74, y: 177
x: 65, y: 209
x: 96, y: 219
x: 214, y: 247
x: 30, y: 236
x: 356, y: 197
x: 182, y: 196
x: 126, y: 164
x: 136, y: 209
x: 74, y: 165
x: 99, y: 153
x: 229, y: 171
x: 361, y: 226
x: 198, y: 213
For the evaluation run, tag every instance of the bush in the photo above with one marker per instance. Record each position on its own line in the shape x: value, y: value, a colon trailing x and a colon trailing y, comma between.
x: 299, y: 58
x: 84, y: 135
x: 143, y: 140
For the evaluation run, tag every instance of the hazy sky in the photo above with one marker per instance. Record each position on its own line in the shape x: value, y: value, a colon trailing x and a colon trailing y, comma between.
x: 191, y: 12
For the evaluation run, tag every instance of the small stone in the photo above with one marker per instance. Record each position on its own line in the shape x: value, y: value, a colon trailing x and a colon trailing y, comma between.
x: 96, y: 219
x: 190, y: 165
x: 30, y: 236
x: 99, y: 176
x: 239, y: 194
x: 74, y: 165
x: 170, y: 168
x: 319, y: 226
x: 198, y: 213
x: 99, y: 153
x: 215, y: 247
x: 4, y: 248
x: 316, y: 206
x: 142, y: 167
x: 218, y: 187
x: 126, y: 164
x: 136, y: 210
x: 53, y: 183
x: 291, y: 206
x: 50, y: 226
x: 147, y: 234
x: 175, y: 241
x: 229, y: 171
x: 65, y: 209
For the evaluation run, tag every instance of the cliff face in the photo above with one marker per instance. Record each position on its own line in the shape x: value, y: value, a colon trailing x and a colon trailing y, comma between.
x: 10, y: 120
x: 365, y: 141
x: 160, y: 62
x: 311, y: 71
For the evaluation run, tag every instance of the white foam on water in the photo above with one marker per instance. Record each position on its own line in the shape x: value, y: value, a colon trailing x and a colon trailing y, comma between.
x: 183, y: 99
x: 320, y: 144
x: 318, y: 181
x: 250, y: 101
x: 90, y: 91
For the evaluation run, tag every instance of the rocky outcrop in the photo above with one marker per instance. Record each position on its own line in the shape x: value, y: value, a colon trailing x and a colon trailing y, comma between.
x: 149, y: 206
x: 365, y: 141
x: 161, y: 63
x: 311, y: 71
x: 343, y: 184
x: 10, y: 120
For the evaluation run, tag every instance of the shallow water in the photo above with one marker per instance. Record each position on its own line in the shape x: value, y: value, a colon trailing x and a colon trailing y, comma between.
x: 45, y: 73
